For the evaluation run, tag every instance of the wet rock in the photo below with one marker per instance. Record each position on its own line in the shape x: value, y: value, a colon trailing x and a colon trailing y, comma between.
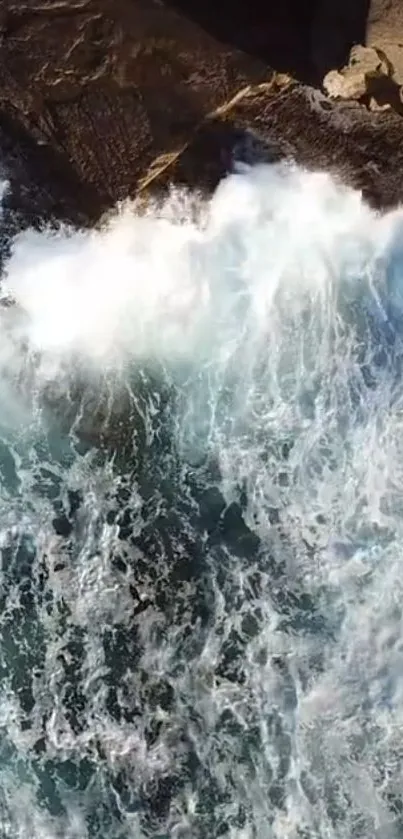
x: 102, y: 100
x: 287, y: 119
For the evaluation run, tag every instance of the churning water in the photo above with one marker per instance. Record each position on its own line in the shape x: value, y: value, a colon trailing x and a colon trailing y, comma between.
x: 201, y: 520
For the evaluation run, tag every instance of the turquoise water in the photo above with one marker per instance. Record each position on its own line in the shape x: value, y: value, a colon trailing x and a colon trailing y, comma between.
x: 201, y: 490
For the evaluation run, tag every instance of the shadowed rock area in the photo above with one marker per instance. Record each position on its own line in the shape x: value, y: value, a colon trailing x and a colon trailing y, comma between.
x: 103, y: 99
x: 305, y: 38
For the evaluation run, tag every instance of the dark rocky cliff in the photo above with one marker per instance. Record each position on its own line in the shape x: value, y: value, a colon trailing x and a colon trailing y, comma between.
x: 101, y: 99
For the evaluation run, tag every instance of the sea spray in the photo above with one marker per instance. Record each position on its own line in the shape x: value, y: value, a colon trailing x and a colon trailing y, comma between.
x: 201, y: 472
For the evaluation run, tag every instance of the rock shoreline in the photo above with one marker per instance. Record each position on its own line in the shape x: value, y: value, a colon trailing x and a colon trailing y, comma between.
x: 101, y: 100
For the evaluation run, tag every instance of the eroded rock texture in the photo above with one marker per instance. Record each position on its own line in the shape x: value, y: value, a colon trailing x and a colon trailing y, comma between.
x: 101, y: 99
x: 99, y: 88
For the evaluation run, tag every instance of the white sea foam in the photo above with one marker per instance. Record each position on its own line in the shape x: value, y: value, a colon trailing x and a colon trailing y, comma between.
x: 273, y: 314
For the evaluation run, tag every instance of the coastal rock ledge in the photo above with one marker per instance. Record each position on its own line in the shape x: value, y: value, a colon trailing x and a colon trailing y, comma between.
x: 105, y: 99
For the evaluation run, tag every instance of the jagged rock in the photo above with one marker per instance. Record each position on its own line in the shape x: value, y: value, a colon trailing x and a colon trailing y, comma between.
x: 353, y: 81
x: 102, y: 99
x: 288, y: 119
x: 368, y: 77
x: 97, y: 89
x: 342, y: 85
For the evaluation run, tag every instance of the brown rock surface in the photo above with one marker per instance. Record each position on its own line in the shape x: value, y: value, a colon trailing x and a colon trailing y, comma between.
x: 99, y: 88
x: 285, y: 118
x: 353, y: 81
x: 373, y: 73
x: 102, y: 98
x: 385, y: 30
